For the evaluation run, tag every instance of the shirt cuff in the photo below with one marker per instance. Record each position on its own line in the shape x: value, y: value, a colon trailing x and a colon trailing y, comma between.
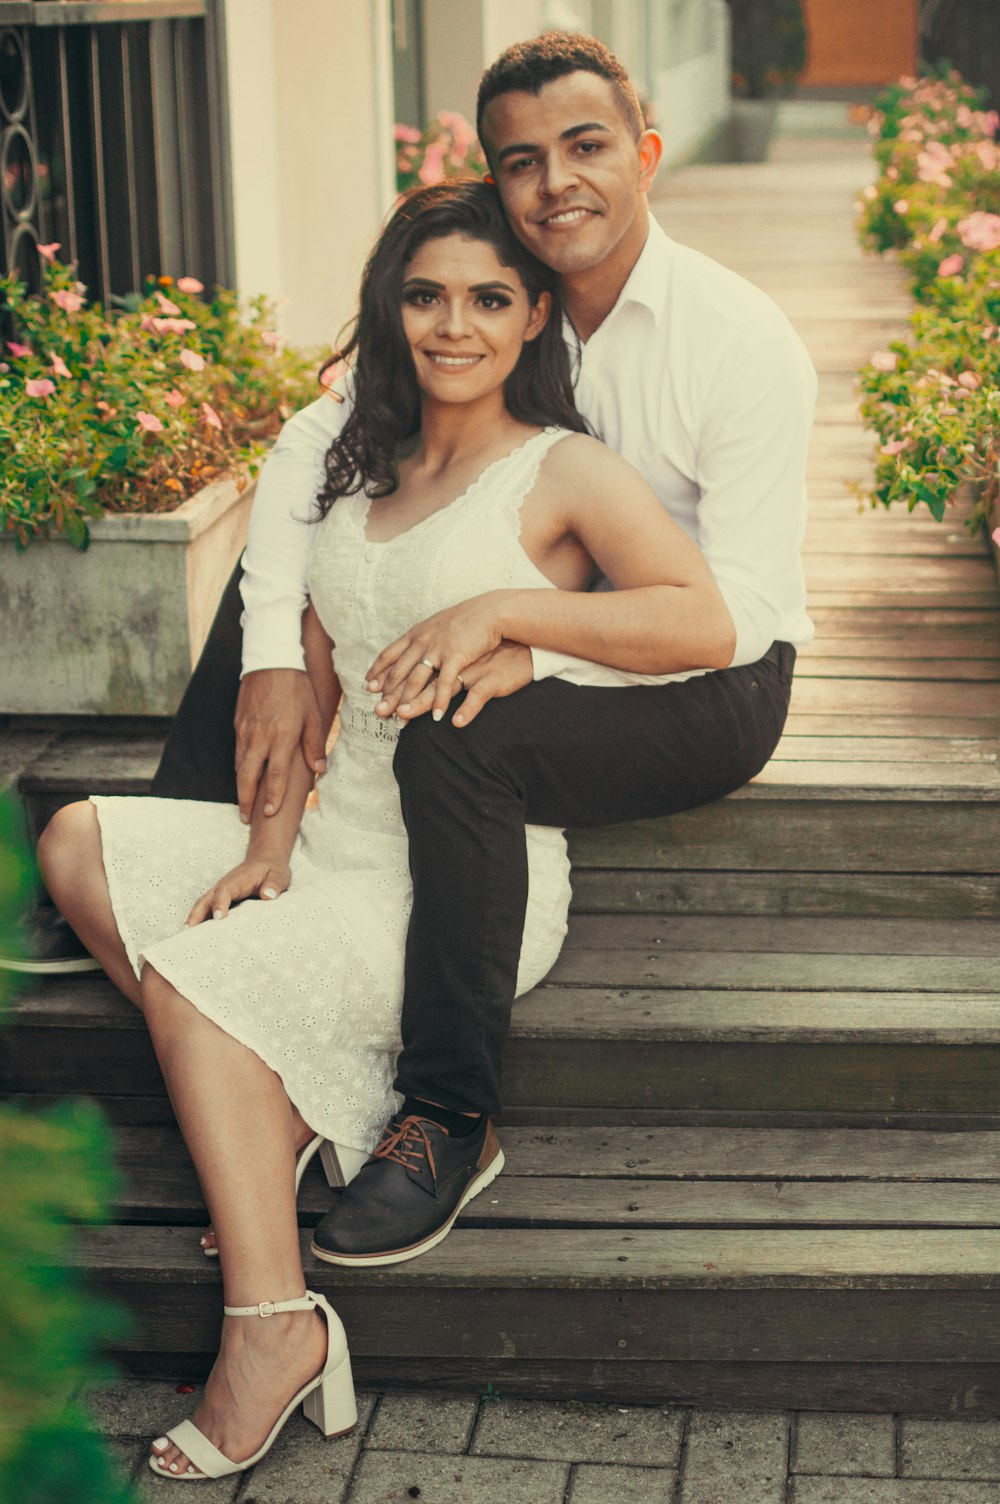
x: 545, y: 664
x: 273, y: 639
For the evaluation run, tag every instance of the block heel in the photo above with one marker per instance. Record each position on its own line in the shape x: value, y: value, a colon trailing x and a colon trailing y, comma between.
x: 332, y: 1407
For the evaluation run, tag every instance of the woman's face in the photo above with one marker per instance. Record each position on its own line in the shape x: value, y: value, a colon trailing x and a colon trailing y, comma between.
x: 466, y: 317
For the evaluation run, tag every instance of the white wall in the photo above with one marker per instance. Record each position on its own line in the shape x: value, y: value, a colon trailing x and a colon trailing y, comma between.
x: 311, y: 129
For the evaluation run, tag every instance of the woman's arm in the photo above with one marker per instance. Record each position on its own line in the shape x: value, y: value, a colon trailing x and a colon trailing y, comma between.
x: 264, y: 871
x: 665, y: 616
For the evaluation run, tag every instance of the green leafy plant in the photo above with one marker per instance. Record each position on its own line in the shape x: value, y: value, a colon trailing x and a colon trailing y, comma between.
x: 446, y: 148
x: 55, y: 1171
x: 133, y: 409
x: 934, y: 398
x: 769, y: 45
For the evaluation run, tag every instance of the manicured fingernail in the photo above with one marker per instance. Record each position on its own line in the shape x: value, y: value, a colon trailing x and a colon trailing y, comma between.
x: 321, y: 765
x: 382, y: 706
x: 164, y: 1441
x: 269, y: 809
x: 374, y: 685
x: 244, y: 818
x: 437, y: 715
x: 405, y: 709
x: 268, y: 892
x: 217, y: 914
x: 458, y: 719
x: 173, y: 1467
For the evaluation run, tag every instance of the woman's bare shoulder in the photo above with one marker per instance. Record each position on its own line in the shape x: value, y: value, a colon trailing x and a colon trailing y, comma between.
x: 588, y: 465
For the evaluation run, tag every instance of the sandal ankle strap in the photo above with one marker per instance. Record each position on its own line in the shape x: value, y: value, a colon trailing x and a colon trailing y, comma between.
x: 306, y: 1302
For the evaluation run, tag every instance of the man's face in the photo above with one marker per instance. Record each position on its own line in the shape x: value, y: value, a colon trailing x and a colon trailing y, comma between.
x: 570, y: 171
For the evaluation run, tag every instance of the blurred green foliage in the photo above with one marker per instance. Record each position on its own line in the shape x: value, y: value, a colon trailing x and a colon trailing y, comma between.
x: 55, y: 1171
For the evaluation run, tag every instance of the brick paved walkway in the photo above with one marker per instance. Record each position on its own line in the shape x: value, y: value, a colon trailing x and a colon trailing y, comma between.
x: 465, y: 1449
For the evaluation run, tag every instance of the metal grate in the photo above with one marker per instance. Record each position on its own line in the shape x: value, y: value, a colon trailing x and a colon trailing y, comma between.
x: 114, y: 140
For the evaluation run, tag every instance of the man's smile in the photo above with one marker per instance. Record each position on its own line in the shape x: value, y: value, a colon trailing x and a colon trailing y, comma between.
x: 566, y: 217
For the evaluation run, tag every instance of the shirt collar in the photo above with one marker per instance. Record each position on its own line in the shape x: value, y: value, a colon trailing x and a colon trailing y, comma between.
x: 647, y: 281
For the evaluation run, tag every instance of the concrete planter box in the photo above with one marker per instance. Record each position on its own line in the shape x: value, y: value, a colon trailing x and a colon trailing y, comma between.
x: 117, y: 629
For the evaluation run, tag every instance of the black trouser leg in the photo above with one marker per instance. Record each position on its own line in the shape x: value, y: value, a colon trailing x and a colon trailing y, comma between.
x: 199, y: 759
x: 553, y: 754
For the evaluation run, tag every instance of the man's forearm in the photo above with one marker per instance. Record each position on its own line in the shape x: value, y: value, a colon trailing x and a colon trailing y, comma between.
x: 653, y: 629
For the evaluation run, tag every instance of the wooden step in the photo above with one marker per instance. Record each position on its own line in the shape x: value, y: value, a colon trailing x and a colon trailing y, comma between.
x: 880, y: 1020
x: 657, y: 1265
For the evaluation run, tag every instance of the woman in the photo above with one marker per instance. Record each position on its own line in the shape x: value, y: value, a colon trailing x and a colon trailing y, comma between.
x: 463, y: 469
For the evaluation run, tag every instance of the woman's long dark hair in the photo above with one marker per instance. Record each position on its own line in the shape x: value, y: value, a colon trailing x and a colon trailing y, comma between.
x: 383, y: 381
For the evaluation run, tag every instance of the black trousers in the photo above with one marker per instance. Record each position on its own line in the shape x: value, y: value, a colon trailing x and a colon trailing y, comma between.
x: 553, y: 754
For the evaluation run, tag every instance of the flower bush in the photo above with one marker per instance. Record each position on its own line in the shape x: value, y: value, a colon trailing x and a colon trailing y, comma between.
x: 444, y: 149
x: 135, y: 408
x: 934, y: 398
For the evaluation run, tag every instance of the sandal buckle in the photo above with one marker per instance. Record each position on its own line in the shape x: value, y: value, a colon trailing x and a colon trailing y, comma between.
x: 266, y: 1308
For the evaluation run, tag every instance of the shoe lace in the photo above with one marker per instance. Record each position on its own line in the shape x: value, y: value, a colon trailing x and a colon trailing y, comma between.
x: 408, y: 1145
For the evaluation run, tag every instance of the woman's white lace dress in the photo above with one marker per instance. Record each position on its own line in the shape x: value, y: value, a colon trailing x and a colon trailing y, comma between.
x: 313, y: 980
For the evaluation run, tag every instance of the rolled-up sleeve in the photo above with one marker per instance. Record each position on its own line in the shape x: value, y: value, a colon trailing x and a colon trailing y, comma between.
x: 751, y: 466
x: 282, y: 530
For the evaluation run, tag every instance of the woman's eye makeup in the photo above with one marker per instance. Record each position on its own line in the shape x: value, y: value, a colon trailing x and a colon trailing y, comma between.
x: 426, y: 297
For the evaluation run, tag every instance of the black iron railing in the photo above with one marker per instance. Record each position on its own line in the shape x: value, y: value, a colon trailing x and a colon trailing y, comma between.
x: 114, y: 140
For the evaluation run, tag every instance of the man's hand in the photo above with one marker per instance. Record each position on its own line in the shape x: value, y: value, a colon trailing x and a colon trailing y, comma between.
x: 499, y: 673
x: 275, y: 713
x: 445, y: 645
x: 253, y: 878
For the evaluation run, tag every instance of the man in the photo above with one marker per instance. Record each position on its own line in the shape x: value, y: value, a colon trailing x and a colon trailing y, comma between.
x: 698, y: 380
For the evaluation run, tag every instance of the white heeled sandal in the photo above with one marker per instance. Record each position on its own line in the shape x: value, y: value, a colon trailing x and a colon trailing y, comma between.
x: 327, y: 1400
x: 340, y: 1165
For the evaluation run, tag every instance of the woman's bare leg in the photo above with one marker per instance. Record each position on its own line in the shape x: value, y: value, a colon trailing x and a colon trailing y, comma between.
x: 301, y: 1135
x: 238, y: 1125
x: 72, y: 864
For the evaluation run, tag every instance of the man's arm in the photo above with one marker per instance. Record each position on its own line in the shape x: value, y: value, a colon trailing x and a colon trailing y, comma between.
x: 276, y: 712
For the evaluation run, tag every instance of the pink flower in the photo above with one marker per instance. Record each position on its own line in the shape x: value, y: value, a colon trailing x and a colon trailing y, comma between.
x: 403, y: 133
x: 190, y: 284
x: 940, y: 225
x: 148, y: 324
x: 432, y: 170
x: 49, y: 251
x: 895, y: 447
x: 901, y: 205
x: 989, y: 122
x: 963, y: 117
x: 988, y: 155
x: 173, y: 326
x: 69, y: 302
x: 18, y: 350
x: 41, y: 386
x: 951, y: 266
x: 210, y: 416
x: 980, y: 231
x: 59, y: 366
x: 166, y: 306
x: 970, y: 381
x: 996, y: 536
x: 175, y: 398
x: 871, y: 192
x: 884, y: 360
x: 460, y: 128
x: 149, y: 422
x: 192, y: 360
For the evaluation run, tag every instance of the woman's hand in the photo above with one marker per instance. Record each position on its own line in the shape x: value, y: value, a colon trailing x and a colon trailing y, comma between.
x: 445, y: 644
x: 255, y: 877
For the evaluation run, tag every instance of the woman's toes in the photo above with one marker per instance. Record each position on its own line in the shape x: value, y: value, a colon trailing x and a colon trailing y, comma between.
x: 209, y: 1242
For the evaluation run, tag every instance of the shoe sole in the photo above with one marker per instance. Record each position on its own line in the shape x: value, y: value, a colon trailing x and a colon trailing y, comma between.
x: 400, y: 1255
x: 51, y: 968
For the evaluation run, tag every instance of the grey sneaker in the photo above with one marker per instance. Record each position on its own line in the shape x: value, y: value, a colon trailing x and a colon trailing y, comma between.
x: 50, y: 947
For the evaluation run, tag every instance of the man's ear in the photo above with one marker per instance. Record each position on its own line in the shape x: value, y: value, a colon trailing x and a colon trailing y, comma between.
x: 539, y: 316
x: 650, y: 148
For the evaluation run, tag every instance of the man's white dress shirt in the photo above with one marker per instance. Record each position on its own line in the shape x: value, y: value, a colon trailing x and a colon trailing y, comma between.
x: 697, y: 379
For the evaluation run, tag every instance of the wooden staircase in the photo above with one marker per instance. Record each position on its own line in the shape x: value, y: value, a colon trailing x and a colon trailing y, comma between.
x: 753, y: 1120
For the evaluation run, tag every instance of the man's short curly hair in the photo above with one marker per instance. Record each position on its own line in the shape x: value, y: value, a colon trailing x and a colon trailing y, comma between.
x: 529, y: 66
